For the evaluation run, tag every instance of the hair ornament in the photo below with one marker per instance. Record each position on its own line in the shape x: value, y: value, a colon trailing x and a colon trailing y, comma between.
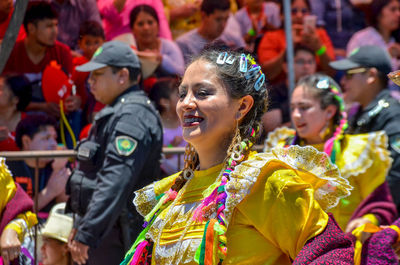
x: 222, y: 57
x: 323, y: 83
x: 256, y: 69
x: 230, y: 59
x: 260, y: 82
x: 243, y: 63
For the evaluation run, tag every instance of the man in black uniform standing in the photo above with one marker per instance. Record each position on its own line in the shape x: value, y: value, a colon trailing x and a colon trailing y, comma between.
x: 366, y: 82
x: 120, y: 155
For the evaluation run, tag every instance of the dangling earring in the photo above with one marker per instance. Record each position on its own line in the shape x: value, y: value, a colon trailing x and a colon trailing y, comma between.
x: 236, y: 148
x: 190, y: 158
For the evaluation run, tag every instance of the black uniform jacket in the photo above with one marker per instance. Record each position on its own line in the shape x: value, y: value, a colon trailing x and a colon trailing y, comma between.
x: 383, y: 113
x: 121, y: 154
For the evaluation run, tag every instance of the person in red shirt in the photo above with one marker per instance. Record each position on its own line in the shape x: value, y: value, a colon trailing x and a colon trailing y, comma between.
x: 272, y: 47
x: 15, y: 95
x: 31, y: 55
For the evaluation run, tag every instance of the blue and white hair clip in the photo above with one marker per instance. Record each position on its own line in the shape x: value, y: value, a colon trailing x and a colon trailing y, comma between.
x: 243, y: 63
x: 260, y: 82
x: 253, y: 71
x: 222, y: 57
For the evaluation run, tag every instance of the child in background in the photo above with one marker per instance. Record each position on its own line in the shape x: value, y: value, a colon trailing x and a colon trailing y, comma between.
x: 91, y: 37
x: 165, y: 95
x: 55, y: 237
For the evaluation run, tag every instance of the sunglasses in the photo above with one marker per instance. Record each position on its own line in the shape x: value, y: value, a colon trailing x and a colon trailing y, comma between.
x: 351, y: 72
x: 301, y: 10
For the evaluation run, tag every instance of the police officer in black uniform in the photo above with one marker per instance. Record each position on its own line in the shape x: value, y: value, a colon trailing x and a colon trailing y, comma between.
x: 120, y: 155
x: 366, y: 82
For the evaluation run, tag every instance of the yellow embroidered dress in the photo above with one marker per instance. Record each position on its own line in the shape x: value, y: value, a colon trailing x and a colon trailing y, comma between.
x: 275, y: 203
x: 23, y: 221
x: 364, y: 161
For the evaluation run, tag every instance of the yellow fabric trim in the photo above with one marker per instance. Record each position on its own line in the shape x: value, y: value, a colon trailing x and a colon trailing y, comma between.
x: 372, y: 218
x: 8, y: 187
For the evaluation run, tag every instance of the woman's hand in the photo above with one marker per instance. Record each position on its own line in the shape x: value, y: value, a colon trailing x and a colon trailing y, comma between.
x: 73, y: 103
x: 356, y: 223
x: 10, y: 245
x: 310, y: 38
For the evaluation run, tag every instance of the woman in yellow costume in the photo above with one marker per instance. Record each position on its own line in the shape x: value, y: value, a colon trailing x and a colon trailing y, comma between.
x: 231, y: 205
x: 16, y: 216
x: 319, y: 117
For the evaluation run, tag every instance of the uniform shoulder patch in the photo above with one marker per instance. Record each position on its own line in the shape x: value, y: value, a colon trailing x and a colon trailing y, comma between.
x: 125, y: 145
x: 395, y: 144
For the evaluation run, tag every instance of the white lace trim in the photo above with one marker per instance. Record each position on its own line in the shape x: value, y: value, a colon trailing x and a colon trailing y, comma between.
x: 377, y: 143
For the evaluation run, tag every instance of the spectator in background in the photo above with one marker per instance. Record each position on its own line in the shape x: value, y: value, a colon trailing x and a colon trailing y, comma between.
x: 366, y: 83
x: 6, y: 11
x: 38, y: 132
x: 115, y: 14
x: 144, y: 24
x: 185, y: 15
x: 256, y: 17
x: 384, y: 20
x: 214, y: 15
x: 91, y: 37
x: 340, y: 19
x: 272, y: 48
x: 165, y: 95
x: 278, y: 113
x: 15, y: 95
x: 55, y: 234
x: 31, y: 55
x: 72, y: 13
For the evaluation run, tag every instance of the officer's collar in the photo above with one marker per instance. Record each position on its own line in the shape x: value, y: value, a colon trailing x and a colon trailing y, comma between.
x: 123, y: 94
x: 382, y: 94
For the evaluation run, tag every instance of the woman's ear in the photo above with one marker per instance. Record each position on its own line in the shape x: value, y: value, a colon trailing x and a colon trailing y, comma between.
x: 330, y: 112
x: 245, y: 104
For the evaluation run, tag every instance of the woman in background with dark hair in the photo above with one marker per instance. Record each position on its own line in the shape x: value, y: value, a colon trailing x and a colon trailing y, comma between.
x: 144, y: 24
x: 384, y: 20
x: 15, y: 95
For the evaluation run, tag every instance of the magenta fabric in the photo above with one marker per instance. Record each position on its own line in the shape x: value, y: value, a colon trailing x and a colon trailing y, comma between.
x: 377, y: 250
x: 332, y: 246
x: 20, y: 203
x: 379, y: 203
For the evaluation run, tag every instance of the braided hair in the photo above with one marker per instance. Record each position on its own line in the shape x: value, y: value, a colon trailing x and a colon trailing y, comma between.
x: 328, y: 92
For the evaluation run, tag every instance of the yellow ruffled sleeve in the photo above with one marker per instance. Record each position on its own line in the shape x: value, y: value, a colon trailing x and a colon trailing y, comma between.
x: 278, y: 138
x: 287, y: 204
x: 146, y: 198
x: 366, y: 160
x: 22, y: 223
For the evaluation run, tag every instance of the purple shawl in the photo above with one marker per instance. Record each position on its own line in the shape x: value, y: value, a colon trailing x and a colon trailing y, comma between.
x: 332, y: 246
x: 379, y: 203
